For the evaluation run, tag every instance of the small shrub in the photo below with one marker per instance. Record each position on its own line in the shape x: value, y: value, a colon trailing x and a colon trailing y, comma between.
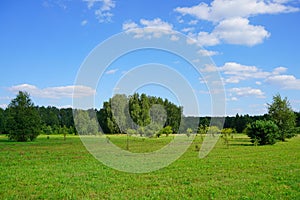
x: 263, y: 132
x: 189, y: 131
x: 226, y: 135
x: 166, y: 130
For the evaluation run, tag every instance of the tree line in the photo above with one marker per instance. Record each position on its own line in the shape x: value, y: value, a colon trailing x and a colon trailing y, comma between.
x: 134, y: 114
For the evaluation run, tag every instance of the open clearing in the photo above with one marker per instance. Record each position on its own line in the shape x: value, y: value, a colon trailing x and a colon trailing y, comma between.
x: 57, y: 169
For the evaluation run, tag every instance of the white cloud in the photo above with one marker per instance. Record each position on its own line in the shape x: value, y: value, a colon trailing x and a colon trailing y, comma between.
x: 234, y: 73
x: 230, y: 20
x: 234, y: 99
x: 54, y: 92
x: 246, y: 92
x: 209, y: 68
x: 112, y: 71
x: 84, y: 22
x: 174, y: 38
x: 193, y: 22
x: 236, y: 31
x: 239, y: 31
x: 285, y: 81
x: 129, y: 26
x: 219, y: 10
x: 205, y: 52
x: 237, y: 72
x: 204, y: 39
x: 187, y: 30
x: 279, y: 70
x: 103, y: 11
x: 150, y: 28
x: 91, y: 2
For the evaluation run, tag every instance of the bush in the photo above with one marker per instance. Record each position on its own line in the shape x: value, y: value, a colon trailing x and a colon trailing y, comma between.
x: 166, y: 130
x: 263, y: 132
x: 189, y: 131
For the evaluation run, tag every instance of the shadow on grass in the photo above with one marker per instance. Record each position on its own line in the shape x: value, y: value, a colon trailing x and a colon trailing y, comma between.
x: 241, y: 144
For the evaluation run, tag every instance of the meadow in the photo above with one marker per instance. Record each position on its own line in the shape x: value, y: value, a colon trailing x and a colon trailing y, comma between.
x: 57, y: 169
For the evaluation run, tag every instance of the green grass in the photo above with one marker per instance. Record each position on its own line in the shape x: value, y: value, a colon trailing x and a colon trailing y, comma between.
x: 57, y: 169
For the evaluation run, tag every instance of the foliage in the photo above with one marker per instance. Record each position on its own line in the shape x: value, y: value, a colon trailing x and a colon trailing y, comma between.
x: 85, y: 124
x: 213, y: 130
x: 189, y: 131
x: 284, y: 117
x: 152, y: 130
x: 227, y: 135
x: 166, y: 130
x: 297, y: 114
x: 2, y: 121
x: 121, y: 113
x: 131, y: 131
x: 23, y: 120
x: 263, y: 132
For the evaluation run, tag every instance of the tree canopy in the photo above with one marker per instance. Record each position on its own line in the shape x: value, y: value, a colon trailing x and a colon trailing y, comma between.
x: 140, y: 114
x: 23, y: 120
x: 123, y: 112
x: 281, y: 113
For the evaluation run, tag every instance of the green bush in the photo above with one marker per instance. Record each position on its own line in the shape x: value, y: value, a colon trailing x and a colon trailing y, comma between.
x: 166, y: 130
x: 263, y: 132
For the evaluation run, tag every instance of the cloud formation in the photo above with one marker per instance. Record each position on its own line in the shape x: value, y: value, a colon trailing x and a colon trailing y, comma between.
x: 236, y: 72
x: 103, y: 11
x: 289, y: 82
x: 245, y: 92
x: 54, y: 92
x: 150, y: 28
x: 230, y: 20
x: 219, y: 10
x: 236, y: 31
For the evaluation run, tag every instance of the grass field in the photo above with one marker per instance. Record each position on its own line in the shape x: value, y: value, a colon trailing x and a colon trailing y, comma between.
x: 57, y: 169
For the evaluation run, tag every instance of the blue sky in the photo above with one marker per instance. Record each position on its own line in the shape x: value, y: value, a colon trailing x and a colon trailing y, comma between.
x: 254, y: 44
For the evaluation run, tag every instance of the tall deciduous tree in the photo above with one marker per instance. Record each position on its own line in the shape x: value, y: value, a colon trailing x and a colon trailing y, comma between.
x: 23, y: 120
x: 284, y: 117
x: 85, y: 124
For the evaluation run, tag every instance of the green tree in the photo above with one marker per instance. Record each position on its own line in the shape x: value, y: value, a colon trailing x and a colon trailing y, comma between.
x: 263, y: 132
x: 120, y: 112
x: 226, y: 135
x: 84, y: 123
x: 2, y: 121
x: 23, y: 120
x: 281, y: 113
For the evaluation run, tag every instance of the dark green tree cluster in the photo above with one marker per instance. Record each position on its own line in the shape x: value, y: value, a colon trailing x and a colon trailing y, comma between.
x: 263, y: 132
x: 237, y: 122
x: 56, y: 121
x: 137, y: 114
x: 23, y: 122
x: 137, y: 111
x: 280, y: 126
